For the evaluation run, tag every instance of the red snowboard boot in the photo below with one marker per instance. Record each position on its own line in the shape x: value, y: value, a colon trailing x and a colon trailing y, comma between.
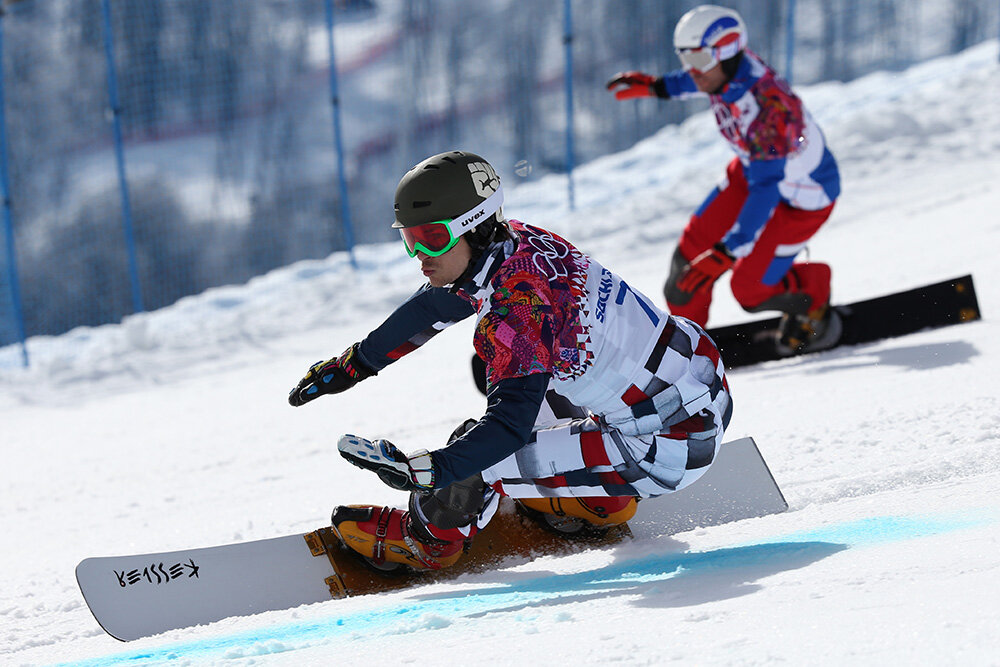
x: 389, y: 538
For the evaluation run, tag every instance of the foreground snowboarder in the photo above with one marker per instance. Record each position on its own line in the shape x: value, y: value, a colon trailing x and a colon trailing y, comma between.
x: 596, y: 397
x: 775, y: 194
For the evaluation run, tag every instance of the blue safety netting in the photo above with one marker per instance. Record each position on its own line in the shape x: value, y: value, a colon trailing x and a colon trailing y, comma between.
x: 225, y: 115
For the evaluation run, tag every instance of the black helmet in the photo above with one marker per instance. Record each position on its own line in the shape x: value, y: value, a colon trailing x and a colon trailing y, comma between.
x: 456, y: 185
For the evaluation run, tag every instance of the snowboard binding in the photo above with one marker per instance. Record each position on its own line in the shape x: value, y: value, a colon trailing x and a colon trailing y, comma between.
x: 820, y: 329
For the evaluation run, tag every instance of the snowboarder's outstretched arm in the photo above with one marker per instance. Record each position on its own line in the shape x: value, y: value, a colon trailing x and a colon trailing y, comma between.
x: 426, y: 313
x: 630, y: 85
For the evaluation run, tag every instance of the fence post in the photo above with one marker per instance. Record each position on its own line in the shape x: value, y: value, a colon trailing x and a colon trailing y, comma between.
x: 568, y: 44
x: 8, y: 222
x: 789, y: 39
x: 109, y: 52
x: 345, y: 208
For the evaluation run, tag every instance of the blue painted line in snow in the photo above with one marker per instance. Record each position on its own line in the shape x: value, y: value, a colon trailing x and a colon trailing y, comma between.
x: 631, y: 577
x: 879, y: 530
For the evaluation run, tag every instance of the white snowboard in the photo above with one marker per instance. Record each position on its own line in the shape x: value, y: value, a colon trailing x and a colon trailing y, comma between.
x: 142, y: 595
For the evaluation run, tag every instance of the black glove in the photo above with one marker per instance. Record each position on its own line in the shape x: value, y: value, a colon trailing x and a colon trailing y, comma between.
x: 406, y: 473
x: 330, y: 377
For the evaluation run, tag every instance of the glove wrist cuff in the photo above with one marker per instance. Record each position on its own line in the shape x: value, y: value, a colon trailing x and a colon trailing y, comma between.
x: 659, y: 88
x: 422, y: 469
x: 721, y: 247
x: 352, y: 364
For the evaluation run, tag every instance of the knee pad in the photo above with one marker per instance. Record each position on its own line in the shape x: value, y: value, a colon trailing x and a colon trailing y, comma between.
x: 455, y: 506
x: 461, y: 430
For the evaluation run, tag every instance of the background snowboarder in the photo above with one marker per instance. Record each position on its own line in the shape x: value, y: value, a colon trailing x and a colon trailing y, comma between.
x: 774, y: 197
x: 596, y: 397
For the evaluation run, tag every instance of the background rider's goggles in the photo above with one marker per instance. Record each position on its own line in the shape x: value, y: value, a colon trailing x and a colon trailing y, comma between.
x: 437, y: 238
x: 701, y: 59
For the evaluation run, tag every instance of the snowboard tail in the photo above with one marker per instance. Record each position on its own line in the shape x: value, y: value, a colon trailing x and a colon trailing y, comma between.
x: 142, y: 595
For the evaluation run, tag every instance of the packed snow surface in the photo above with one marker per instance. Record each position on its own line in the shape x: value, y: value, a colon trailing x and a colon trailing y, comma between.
x: 171, y: 430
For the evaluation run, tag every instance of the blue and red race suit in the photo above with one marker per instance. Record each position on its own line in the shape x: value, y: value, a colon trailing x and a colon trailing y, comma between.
x: 781, y: 148
x: 777, y: 192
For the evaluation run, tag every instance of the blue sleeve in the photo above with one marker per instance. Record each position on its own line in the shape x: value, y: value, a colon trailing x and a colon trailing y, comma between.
x: 763, y: 177
x: 512, y: 406
x: 426, y: 313
x: 679, y: 84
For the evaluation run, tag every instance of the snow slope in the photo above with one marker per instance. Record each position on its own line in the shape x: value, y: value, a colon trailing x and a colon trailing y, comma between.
x: 171, y: 430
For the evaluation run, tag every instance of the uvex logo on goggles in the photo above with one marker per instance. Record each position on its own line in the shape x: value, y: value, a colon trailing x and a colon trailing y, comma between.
x: 438, y: 237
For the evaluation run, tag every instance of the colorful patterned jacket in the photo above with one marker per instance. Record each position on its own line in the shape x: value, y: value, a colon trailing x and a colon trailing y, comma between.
x: 552, y: 318
x: 781, y: 148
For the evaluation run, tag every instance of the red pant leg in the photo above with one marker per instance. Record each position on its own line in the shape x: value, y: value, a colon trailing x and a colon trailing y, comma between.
x: 767, y: 278
x: 713, y: 219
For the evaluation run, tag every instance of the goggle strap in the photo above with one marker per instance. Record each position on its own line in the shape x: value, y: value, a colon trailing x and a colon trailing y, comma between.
x: 473, y: 217
x: 459, y: 225
x: 717, y: 53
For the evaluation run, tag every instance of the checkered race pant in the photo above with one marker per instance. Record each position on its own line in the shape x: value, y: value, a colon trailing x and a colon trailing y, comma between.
x: 582, y: 457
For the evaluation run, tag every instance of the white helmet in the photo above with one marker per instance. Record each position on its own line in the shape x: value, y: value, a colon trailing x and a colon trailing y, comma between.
x: 707, y: 35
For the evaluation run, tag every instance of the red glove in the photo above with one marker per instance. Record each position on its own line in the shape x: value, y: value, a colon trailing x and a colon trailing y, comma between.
x: 706, y: 268
x: 628, y: 85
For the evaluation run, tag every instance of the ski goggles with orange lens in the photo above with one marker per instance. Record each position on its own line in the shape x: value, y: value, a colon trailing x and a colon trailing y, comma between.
x: 700, y: 59
x: 438, y: 237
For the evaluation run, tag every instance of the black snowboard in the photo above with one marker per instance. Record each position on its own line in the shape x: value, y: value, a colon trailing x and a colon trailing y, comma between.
x: 949, y: 302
